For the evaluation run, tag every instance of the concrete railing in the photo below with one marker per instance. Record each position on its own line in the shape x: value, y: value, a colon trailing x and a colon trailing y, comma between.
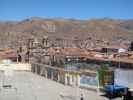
x: 72, y: 78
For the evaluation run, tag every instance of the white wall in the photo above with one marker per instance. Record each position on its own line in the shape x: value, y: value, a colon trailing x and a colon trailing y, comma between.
x: 124, y: 77
x: 16, y: 66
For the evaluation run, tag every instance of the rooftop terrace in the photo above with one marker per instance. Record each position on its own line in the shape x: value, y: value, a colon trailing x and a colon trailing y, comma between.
x: 29, y: 86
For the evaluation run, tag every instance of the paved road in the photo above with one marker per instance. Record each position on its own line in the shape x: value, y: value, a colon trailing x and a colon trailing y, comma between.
x: 29, y: 86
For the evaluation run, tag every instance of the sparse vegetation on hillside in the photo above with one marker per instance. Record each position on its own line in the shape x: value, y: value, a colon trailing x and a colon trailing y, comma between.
x: 15, y: 33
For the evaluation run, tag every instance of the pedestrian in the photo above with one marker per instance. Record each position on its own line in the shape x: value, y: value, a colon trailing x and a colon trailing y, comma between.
x: 81, y: 98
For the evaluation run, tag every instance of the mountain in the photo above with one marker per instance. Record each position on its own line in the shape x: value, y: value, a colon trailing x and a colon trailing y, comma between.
x: 14, y: 33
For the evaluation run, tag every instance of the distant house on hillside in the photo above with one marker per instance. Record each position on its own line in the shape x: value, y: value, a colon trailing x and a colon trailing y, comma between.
x: 112, y: 48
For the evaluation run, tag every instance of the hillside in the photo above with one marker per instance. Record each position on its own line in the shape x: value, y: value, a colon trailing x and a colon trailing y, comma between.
x: 15, y: 33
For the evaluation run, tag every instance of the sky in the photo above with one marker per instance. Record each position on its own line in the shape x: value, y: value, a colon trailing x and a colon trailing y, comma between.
x: 77, y: 9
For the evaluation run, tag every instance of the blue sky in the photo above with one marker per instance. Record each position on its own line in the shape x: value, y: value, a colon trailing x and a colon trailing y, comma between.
x: 79, y: 9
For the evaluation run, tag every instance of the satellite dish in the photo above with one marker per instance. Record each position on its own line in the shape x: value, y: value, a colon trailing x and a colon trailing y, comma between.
x: 121, y: 50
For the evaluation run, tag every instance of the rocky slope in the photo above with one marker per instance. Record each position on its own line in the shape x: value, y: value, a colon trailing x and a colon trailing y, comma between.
x: 15, y: 33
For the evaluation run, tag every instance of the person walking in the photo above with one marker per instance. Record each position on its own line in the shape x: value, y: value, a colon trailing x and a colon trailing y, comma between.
x: 82, y: 97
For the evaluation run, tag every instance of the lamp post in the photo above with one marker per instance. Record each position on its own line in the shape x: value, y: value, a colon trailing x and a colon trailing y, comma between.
x: 121, y: 50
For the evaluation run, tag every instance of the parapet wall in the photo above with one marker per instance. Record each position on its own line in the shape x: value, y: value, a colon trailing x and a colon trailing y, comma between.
x: 16, y: 66
x: 72, y: 78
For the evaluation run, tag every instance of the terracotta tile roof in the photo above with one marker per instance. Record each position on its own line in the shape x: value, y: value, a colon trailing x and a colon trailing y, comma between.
x: 125, y: 57
x: 8, y: 53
